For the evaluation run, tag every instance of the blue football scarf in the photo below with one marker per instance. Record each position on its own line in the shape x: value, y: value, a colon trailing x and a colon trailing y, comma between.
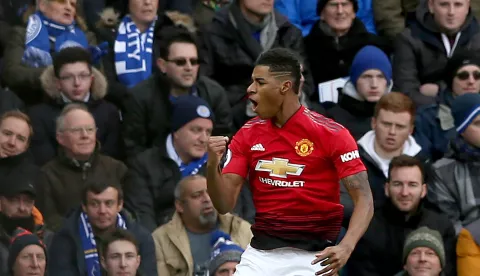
x: 89, y: 245
x: 194, y: 166
x: 133, y: 52
x: 40, y: 31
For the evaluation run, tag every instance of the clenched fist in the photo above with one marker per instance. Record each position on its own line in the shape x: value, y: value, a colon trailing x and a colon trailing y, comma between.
x: 216, y: 148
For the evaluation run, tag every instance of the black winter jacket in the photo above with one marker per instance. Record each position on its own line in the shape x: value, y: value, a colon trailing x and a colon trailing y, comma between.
x: 9, y: 101
x: 379, y: 251
x: 420, y: 55
x: 147, y: 120
x: 44, y: 144
x: 331, y: 57
x: 151, y: 181
x: 67, y: 254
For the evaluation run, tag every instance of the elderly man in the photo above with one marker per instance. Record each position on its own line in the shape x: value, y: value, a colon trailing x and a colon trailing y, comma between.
x: 78, y: 161
x: 379, y: 251
x: 75, y: 248
x: 72, y: 78
x: 17, y: 199
x: 155, y: 172
x: 147, y: 121
x: 423, y: 254
x: 54, y: 26
x: 335, y: 39
x: 434, y: 124
x: 183, y: 245
x: 441, y: 28
x: 28, y: 255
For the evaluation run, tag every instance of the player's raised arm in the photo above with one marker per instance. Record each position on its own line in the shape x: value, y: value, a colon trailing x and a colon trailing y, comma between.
x: 223, y: 189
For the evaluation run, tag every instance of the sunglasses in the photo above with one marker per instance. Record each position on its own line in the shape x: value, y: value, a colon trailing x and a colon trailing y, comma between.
x: 464, y: 75
x: 183, y: 61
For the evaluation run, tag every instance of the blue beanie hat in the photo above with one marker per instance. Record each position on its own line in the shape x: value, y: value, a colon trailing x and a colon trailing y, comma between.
x: 370, y: 57
x: 464, y: 110
x: 188, y: 108
x: 223, y: 250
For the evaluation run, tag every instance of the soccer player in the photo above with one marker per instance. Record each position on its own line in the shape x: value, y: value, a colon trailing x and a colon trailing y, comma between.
x: 294, y: 159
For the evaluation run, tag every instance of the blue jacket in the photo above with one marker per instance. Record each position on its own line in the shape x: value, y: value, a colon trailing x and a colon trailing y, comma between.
x: 365, y: 14
x: 434, y: 126
x: 303, y: 13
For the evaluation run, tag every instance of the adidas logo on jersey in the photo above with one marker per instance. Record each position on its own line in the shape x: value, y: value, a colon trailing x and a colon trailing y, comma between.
x: 258, y: 147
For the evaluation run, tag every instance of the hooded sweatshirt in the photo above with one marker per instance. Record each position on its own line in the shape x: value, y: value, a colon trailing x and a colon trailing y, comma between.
x: 410, y: 148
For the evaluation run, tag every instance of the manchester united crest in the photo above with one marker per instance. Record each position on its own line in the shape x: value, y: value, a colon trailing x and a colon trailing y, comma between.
x: 304, y: 147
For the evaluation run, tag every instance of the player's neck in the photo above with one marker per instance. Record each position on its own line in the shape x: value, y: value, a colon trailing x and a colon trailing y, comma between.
x: 389, y: 155
x: 286, y: 112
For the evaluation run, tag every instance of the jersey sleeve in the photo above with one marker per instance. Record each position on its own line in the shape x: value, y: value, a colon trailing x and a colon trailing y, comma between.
x: 344, y: 154
x: 236, y: 160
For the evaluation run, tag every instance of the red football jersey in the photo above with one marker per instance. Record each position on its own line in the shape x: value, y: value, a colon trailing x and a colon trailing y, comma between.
x: 294, y: 173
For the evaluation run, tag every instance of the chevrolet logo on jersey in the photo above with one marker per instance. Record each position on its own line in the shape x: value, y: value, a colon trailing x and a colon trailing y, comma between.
x: 279, y: 167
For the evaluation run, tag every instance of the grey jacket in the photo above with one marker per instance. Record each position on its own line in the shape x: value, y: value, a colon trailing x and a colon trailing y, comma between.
x: 420, y: 56
x: 455, y: 188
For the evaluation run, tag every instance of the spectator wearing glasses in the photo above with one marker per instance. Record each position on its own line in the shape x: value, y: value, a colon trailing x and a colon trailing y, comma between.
x: 78, y: 161
x: 148, y: 116
x: 454, y: 182
x: 438, y: 29
x: 434, y: 125
x: 131, y: 28
x: 53, y: 26
x: 72, y: 78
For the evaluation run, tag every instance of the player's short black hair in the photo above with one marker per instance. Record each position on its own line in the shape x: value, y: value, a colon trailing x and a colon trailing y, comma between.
x: 173, y: 34
x: 70, y: 55
x: 404, y: 160
x: 282, y: 60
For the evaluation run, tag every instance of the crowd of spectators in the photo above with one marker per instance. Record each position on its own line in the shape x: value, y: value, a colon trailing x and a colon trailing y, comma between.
x: 106, y: 108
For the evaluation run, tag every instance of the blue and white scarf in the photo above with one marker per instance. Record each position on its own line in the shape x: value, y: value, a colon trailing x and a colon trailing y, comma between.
x: 133, y: 52
x: 42, y: 32
x: 90, y: 246
x: 191, y: 168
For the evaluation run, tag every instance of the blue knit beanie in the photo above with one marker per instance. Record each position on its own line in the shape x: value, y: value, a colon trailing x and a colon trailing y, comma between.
x: 370, y: 57
x: 464, y: 110
x: 188, y: 108
x: 223, y: 250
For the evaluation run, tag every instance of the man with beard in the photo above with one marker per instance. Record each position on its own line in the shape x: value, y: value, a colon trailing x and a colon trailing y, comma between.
x: 17, y: 209
x: 379, y: 251
x: 187, y: 237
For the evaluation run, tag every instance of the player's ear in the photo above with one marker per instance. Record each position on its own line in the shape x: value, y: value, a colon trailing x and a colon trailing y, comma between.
x: 286, y: 86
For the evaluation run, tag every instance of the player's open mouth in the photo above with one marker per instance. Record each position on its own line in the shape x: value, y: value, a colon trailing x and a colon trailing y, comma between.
x: 254, y: 103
